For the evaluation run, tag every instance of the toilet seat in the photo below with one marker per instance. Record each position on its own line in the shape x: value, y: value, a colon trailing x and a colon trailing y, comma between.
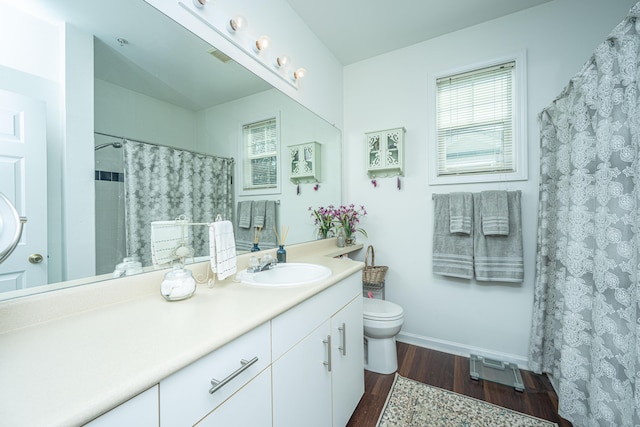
x: 376, y: 309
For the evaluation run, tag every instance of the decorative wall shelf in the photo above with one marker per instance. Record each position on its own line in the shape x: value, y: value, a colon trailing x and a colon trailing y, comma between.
x: 385, y: 152
x: 304, y: 162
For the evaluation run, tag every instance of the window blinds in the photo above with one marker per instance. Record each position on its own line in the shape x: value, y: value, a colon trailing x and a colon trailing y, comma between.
x: 261, y: 154
x: 475, y: 121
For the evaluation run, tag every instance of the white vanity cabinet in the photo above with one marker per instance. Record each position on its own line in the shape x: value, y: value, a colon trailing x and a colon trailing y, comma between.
x: 188, y: 395
x: 317, y: 371
x: 140, y: 411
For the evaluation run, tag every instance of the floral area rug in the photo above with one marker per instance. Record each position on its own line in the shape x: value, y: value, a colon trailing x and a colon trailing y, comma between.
x: 414, y: 404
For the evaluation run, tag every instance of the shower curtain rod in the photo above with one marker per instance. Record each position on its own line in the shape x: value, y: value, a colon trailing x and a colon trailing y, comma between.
x: 124, y: 138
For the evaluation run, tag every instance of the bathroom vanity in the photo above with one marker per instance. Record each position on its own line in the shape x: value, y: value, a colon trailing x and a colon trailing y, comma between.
x: 276, y: 355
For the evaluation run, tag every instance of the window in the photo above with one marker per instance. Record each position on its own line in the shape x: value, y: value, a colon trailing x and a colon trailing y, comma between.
x: 261, y: 147
x: 478, y: 132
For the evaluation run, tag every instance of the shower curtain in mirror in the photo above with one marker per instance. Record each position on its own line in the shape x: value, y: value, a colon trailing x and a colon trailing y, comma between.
x: 162, y: 183
x: 586, y: 323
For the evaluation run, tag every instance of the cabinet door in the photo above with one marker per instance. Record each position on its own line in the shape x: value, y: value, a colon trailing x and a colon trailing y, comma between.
x: 141, y: 410
x: 348, y: 363
x: 302, y: 383
x: 249, y: 407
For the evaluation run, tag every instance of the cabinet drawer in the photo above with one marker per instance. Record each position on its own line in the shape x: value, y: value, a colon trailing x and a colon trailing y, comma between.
x: 292, y: 326
x: 185, y: 396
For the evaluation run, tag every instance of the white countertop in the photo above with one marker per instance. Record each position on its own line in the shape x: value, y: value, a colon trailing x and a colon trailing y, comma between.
x: 69, y: 369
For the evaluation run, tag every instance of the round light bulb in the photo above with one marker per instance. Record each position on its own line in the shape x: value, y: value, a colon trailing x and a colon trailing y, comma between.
x: 299, y: 73
x: 238, y: 23
x: 263, y: 42
x: 200, y: 3
x: 283, y: 61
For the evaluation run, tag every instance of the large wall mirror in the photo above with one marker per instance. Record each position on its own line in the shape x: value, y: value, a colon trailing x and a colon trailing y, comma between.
x: 153, y: 83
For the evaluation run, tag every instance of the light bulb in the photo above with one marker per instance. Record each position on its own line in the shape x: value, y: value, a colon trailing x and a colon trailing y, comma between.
x: 283, y: 61
x: 200, y: 3
x: 263, y: 42
x: 299, y: 73
x: 238, y: 23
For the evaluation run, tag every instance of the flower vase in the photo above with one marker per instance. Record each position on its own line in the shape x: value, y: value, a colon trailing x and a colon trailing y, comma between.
x: 341, y: 238
x: 350, y: 240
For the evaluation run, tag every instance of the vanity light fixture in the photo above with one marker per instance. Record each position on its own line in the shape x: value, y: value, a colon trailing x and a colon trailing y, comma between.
x: 263, y: 43
x: 200, y: 3
x: 282, y: 61
x: 237, y: 23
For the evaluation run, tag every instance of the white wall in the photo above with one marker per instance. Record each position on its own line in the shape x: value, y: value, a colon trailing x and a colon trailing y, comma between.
x: 459, y: 316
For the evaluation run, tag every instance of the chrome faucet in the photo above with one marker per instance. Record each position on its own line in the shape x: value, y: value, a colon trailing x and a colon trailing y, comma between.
x: 265, y: 263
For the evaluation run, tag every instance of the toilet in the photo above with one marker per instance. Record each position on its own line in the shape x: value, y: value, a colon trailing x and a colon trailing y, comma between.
x: 382, y: 322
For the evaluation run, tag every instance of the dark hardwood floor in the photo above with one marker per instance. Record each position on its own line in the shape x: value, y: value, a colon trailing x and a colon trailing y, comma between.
x: 451, y: 372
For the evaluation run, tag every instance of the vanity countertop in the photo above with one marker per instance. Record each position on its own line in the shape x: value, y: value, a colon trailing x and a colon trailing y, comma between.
x: 70, y: 368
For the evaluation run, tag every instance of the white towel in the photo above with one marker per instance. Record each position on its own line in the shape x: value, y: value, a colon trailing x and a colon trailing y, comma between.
x: 460, y: 212
x: 166, y: 236
x: 494, y: 213
x: 222, y: 249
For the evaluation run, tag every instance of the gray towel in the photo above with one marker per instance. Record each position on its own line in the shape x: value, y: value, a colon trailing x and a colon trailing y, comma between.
x: 268, y: 236
x: 460, y: 212
x: 499, y: 258
x: 452, y: 253
x: 244, y: 214
x: 259, y: 213
x: 494, y: 213
x: 244, y: 236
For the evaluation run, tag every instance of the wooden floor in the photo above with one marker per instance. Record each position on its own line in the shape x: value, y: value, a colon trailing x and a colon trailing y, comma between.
x: 452, y: 373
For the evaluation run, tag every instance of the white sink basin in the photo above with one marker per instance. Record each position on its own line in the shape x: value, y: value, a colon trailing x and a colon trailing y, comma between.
x: 287, y: 274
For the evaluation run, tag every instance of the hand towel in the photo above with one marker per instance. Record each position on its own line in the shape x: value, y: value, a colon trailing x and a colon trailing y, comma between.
x: 244, y: 236
x: 268, y: 238
x: 494, y: 213
x: 244, y: 214
x: 460, y: 212
x: 259, y: 207
x: 499, y: 258
x: 452, y: 253
x: 166, y: 236
x: 222, y: 249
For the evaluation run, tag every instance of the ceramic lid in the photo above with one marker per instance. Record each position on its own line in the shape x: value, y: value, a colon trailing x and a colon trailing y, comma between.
x: 381, y: 309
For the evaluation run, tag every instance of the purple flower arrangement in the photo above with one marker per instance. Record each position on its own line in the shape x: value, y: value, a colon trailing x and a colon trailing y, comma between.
x: 347, y: 217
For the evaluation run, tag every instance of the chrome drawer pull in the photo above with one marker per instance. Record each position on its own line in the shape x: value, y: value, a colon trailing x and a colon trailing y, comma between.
x: 327, y: 342
x: 343, y: 339
x: 217, y: 385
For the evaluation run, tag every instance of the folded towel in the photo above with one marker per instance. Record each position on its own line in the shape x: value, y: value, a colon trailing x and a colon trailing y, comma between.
x: 166, y: 236
x: 268, y: 236
x: 222, y: 249
x: 499, y: 258
x: 244, y: 214
x: 259, y: 207
x: 494, y: 213
x: 460, y: 212
x: 244, y: 236
x: 452, y: 253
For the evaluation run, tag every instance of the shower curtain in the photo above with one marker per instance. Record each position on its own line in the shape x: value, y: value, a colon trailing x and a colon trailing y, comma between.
x: 162, y: 183
x: 586, y: 323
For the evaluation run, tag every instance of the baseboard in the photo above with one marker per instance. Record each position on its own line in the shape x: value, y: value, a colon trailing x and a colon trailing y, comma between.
x: 460, y: 349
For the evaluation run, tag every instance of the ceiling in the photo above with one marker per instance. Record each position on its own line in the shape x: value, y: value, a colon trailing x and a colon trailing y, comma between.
x: 359, y: 29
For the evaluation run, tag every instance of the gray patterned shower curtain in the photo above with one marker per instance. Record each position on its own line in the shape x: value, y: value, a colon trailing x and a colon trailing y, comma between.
x: 162, y: 183
x: 586, y: 323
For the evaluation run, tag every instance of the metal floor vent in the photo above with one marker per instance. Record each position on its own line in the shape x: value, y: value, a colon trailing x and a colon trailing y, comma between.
x: 483, y: 368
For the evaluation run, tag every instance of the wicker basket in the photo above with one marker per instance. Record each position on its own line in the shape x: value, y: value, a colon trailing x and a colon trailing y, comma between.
x: 372, y: 274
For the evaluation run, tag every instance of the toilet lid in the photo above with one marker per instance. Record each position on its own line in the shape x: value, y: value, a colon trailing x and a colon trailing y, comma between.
x: 381, y: 309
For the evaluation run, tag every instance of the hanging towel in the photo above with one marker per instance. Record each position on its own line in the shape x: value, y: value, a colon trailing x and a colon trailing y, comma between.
x: 494, y: 213
x: 259, y: 207
x: 268, y: 236
x: 460, y: 212
x: 166, y: 236
x: 499, y: 258
x: 222, y: 249
x: 244, y: 236
x: 452, y: 253
x: 244, y: 214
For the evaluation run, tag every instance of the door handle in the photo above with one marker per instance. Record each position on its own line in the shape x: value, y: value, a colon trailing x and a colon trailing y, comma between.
x: 35, y: 258
x: 327, y: 344
x: 343, y: 339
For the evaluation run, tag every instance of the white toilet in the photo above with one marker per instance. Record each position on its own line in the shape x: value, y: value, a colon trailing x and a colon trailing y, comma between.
x: 382, y: 322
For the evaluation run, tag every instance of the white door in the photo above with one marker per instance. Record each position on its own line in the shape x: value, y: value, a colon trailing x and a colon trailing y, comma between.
x: 23, y: 179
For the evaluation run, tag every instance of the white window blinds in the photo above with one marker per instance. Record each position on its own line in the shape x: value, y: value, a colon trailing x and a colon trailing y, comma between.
x: 261, y: 155
x: 475, y: 123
